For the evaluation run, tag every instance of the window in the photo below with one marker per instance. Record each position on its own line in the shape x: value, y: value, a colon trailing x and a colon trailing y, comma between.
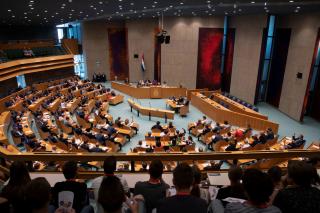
x: 267, y: 58
x: 21, y: 81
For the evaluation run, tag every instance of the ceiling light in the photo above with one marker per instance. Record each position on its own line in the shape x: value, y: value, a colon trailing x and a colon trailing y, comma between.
x: 291, y: 1
x: 253, y: 2
x: 181, y: 3
x: 9, y: 10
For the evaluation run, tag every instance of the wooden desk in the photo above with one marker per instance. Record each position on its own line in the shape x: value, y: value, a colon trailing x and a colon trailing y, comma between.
x: 237, y: 107
x: 148, y: 92
x: 53, y: 107
x: 35, y: 105
x: 221, y: 114
x: 18, y: 106
x: 153, y: 112
x: 173, y: 105
x: 25, y: 123
x: 72, y: 105
x: 4, y: 124
x: 116, y: 99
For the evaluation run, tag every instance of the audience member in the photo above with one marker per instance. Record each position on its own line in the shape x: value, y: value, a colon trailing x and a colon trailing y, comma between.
x: 112, y: 196
x: 299, y: 195
x: 183, y: 201
x: 15, y: 189
x: 196, y: 190
x: 258, y: 187
x: 155, y: 188
x: 235, y: 189
x: 79, y: 190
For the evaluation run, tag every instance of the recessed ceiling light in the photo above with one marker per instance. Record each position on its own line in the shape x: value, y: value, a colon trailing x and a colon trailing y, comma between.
x: 291, y: 1
x: 46, y: 11
x: 253, y: 2
x: 13, y: 16
x: 181, y: 3
x: 9, y: 10
x: 298, y: 7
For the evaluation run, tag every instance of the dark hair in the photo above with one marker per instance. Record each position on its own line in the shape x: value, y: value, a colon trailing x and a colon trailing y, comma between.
x: 183, y: 176
x: 19, y: 175
x: 258, y: 186
x: 15, y: 190
x: 158, y: 122
x: 111, y: 194
x: 109, y: 165
x: 197, y: 179
x: 70, y: 169
x: 38, y: 193
x: 275, y: 174
x: 300, y: 172
x: 156, y: 169
x: 235, y: 174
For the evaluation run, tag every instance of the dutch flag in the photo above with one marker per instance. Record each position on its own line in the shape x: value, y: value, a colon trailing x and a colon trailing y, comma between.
x: 143, y: 66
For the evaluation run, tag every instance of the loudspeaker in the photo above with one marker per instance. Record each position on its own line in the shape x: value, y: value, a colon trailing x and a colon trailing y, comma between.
x: 167, y: 40
x: 135, y: 55
x: 160, y: 38
x: 299, y: 75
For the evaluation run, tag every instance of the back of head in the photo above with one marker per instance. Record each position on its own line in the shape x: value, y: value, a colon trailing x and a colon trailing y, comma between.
x: 70, y: 169
x: 19, y: 174
x: 257, y: 185
x: 111, y: 194
x: 183, y: 177
x: 235, y: 175
x: 38, y: 194
x: 156, y: 169
x: 110, y: 165
x: 275, y: 174
x: 301, y: 173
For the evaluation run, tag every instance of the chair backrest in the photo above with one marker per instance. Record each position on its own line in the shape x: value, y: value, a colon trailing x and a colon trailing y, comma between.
x: 184, y: 110
x: 147, y: 138
x: 165, y: 138
x: 175, y: 148
x: 218, y: 146
x: 159, y: 149
x: 259, y: 146
x: 191, y: 148
x: 155, y: 130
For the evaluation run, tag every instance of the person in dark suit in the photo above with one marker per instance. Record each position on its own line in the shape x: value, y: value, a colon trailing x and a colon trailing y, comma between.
x: 262, y: 138
x: 157, y: 126
x: 296, y: 142
x: 232, y: 146
x: 255, y: 140
x: 270, y: 134
x: 214, y: 140
x: 96, y: 148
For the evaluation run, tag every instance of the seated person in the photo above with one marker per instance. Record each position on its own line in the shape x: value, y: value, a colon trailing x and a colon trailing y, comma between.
x: 225, y: 125
x: 204, y: 131
x: 235, y: 189
x: 299, y: 195
x: 296, y: 142
x: 228, y: 137
x: 205, y: 121
x: 81, y: 197
x: 262, y: 138
x: 155, y: 188
x: 255, y: 140
x: 189, y: 141
x: 258, y: 187
x: 183, y: 201
x: 232, y: 145
x: 270, y: 134
x: 216, y: 128
x: 157, y: 126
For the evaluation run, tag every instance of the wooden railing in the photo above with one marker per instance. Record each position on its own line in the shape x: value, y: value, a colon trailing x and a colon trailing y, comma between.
x: 71, y: 46
x: 24, y: 66
x: 173, y: 156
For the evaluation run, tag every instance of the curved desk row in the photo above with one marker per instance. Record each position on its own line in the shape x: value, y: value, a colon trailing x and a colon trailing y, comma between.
x: 151, y: 112
x: 219, y: 114
x: 149, y: 92
x: 4, y: 124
